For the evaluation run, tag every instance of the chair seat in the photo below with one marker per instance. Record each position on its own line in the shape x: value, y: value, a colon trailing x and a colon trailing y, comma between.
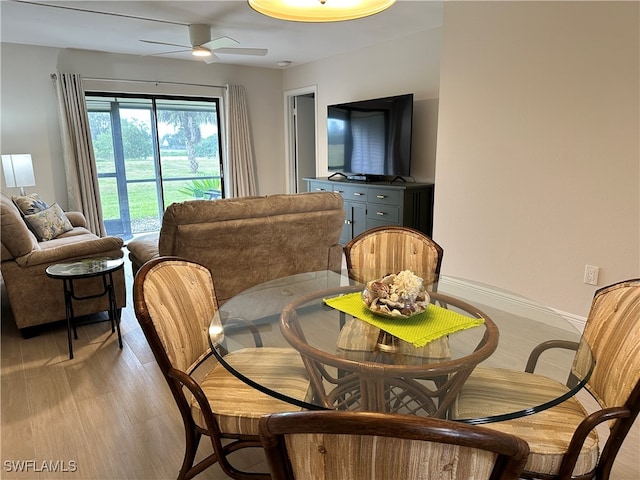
x: 548, y: 433
x: 238, y: 406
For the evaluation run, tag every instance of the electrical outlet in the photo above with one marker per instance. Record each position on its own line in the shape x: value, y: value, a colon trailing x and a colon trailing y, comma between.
x: 591, y: 274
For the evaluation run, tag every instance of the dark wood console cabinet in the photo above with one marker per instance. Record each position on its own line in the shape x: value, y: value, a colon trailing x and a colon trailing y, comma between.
x: 373, y: 204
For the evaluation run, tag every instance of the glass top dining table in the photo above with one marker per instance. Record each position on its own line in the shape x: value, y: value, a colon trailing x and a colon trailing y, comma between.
x: 415, y: 365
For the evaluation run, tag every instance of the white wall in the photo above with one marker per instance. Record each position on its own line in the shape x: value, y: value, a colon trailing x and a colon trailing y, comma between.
x: 407, y: 65
x: 538, y: 160
x: 29, y: 122
x: 28, y: 117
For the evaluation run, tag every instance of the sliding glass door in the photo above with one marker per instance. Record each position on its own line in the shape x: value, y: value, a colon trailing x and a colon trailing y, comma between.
x: 152, y: 151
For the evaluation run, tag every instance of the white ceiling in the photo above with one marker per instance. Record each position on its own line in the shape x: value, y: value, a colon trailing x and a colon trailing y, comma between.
x: 118, y: 27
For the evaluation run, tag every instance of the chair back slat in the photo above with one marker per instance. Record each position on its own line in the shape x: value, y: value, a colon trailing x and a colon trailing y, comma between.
x: 314, y: 456
x: 180, y: 300
x: 382, y: 250
x: 613, y: 333
x: 332, y: 445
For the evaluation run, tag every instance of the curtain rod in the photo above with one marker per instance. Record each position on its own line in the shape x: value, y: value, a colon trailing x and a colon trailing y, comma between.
x: 156, y: 82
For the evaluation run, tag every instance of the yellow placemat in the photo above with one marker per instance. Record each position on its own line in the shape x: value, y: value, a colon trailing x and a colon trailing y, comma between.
x: 433, y: 323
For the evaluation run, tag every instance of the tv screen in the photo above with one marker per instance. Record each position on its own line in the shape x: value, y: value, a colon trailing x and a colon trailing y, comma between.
x: 371, y: 137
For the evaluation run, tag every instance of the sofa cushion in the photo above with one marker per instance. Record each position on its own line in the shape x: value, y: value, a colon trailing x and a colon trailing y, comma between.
x: 49, y: 223
x: 17, y: 239
x: 29, y: 204
x: 142, y: 249
x: 63, y: 248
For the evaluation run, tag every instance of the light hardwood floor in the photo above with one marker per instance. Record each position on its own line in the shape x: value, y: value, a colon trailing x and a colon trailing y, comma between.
x: 108, y: 413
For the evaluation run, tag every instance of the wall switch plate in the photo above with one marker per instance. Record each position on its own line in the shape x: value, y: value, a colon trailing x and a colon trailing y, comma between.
x: 591, y: 275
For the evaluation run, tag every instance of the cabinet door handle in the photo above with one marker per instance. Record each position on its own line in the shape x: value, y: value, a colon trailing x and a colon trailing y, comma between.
x: 347, y: 222
x: 338, y: 191
x: 320, y: 189
x: 358, y: 194
x: 381, y: 196
x: 382, y: 214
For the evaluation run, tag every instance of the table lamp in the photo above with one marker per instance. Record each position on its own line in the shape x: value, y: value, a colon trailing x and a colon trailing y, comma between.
x: 18, y: 171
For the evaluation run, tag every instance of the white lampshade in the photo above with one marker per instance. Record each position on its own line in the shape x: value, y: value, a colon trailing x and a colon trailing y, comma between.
x: 18, y: 171
x: 319, y: 10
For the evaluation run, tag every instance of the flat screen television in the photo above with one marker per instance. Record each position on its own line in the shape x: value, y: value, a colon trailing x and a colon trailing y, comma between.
x: 371, y: 139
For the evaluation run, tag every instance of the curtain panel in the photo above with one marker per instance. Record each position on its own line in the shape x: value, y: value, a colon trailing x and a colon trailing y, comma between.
x: 80, y: 166
x: 241, y: 165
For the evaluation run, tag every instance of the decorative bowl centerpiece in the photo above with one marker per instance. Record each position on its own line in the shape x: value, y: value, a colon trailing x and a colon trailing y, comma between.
x: 397, y: 295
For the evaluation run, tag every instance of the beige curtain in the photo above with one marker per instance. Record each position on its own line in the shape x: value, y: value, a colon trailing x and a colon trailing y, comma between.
x: 79, y: 162
x: 241, y: 169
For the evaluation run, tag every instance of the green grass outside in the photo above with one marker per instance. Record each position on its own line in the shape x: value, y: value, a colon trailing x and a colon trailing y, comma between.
x: 143, y: 201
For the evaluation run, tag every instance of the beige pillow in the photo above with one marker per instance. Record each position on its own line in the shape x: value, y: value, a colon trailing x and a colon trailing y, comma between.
x: 49, y: 223
x: 29, y: 204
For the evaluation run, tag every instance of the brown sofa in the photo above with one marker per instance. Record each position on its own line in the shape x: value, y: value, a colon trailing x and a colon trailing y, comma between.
x: 35, y: 298
x: 249, y: 240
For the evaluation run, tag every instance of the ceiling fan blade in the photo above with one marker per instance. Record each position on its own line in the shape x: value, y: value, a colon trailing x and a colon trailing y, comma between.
x: 211, y: 59
x: 166, y: 53
x: 221, y: 42
x: 165, y: 43
x: 260, y: 52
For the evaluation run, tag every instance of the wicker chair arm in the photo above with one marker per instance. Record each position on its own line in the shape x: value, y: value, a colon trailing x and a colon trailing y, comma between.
x: 586, y: 426
x: 239, y: 322
x: 540, y: 349
x: 195, y: 389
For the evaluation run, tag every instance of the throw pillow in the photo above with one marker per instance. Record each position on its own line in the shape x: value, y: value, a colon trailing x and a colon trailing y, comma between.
x: 29, y: 204
x: 49, y: 223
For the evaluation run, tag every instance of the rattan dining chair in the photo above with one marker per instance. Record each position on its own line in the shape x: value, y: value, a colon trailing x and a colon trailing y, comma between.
x: 563, y: 440
x: 175, y: 302
x: 334, y: 445
x: 375, y: 253
x: 382, y: 250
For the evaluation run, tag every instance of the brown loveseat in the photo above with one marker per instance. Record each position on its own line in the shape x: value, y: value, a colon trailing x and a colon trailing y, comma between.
x: 35, y: 298
x: 249, y: 240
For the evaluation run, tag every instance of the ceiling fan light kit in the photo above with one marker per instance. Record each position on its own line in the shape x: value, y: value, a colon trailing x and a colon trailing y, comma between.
x: 319, y: 10
x: 200, y: 52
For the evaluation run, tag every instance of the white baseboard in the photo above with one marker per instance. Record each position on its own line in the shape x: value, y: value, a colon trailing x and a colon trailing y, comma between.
x: 577, y: 321
x: 508, y: 302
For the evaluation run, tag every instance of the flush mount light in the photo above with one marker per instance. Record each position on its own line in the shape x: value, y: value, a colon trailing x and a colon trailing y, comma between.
x: 200, y: 52
x: 319, y: 10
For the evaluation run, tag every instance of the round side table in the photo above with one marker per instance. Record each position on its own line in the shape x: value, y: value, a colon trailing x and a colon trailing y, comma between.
x: 88, y: 268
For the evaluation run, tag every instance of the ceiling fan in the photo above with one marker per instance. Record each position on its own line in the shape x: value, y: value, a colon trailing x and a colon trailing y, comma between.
x: 203, y: 46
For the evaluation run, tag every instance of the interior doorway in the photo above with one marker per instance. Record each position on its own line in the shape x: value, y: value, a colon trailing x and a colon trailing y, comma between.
x: 301, y: 137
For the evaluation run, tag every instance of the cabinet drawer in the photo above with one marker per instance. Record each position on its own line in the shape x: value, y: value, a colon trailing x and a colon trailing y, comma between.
x: 385, y: 196
x: 351, y: 192
x: 319, y: 187
x: 383, y: 213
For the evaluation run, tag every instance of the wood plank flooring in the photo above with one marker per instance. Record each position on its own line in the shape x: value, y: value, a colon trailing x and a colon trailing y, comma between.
x: 108, y: 413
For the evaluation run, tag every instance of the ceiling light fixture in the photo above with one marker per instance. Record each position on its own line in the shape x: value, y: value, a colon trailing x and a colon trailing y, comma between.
x: 319, y: 10
x: 200, y: 52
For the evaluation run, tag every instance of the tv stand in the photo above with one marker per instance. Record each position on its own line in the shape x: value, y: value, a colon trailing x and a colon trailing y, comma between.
x: 371, y: 204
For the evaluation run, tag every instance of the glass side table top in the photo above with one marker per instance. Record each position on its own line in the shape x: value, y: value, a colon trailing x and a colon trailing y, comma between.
x: 86, y: 267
